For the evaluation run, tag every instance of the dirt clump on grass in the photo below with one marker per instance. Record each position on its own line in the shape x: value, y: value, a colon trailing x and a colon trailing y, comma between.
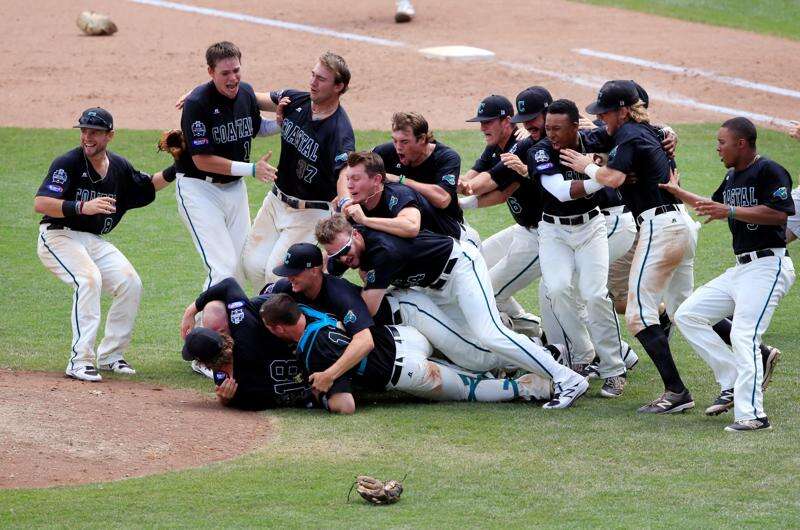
x: 57, y: 431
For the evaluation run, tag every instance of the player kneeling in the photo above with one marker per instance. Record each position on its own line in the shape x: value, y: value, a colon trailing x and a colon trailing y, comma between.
x: 398, y: 362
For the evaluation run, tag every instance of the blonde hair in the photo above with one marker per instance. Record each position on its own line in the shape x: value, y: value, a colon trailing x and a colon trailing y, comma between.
x: 335, y: 63
x: 638, y: 112
x: 327, y: 229
x: 414, y: 121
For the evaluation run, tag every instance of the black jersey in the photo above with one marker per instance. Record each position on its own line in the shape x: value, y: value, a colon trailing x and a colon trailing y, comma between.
x: 442, y: 168
x: 312, y: 151
x: 525, y: 203
x: 608, y: 198
x: 542, y: 161
x: 391, y: 260
x: 322, y: 344
x: 764, y: 183
x: 214, y: 124
x: 71, y: 177
x: 264, y: 366
x: 395, y: 197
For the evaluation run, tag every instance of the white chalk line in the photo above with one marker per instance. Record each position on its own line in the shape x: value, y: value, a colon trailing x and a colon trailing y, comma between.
x: 569, y: 78
x: 691, y: 72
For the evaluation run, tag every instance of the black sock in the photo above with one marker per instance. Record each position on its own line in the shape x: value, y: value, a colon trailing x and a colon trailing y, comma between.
x: 665, y: 322
x: 655, y: 343
x: 723, y: 329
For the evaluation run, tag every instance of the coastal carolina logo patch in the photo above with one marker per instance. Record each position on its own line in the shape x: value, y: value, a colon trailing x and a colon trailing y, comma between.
x: 341, y: 157
x: 371, y: 276
x: 450, y: 179
x: 392, y: 202
x: 349, y: 317
x: 780, y: 193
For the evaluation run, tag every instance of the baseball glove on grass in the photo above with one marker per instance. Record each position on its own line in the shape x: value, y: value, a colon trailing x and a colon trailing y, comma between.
x: 376, y: 491
x: 172, y: 141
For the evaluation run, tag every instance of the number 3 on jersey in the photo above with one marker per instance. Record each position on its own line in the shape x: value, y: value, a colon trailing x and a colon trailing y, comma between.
x: 306, y: 171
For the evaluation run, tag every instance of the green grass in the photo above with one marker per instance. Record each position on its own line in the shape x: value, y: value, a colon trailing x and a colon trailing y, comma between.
x: 468, y: 465
x: 771, y: 17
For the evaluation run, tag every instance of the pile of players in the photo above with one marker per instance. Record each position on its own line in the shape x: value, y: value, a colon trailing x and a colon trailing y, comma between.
x: 598, y: 214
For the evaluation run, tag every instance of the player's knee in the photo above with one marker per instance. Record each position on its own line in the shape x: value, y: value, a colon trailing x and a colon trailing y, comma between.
x: 132, y: 283
x: 684, y: 317
x: 743, y: 338
x: 558, y: 289
x: 342, y: 403
x: 91, y: 280
x: 633, y: 320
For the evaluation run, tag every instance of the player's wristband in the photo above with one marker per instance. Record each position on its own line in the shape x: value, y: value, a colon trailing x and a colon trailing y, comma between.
x: 468, y: 203
x: 243, y: 169
x: 340, y: 204
x: 402, y: 178
x: 732, y: 213
x: 591, y: 171
x: 70, y: 208
x: 170, y: 173
x: 592, y: 186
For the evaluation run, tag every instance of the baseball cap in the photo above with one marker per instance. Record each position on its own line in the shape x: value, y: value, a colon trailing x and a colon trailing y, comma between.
x: 299, y: 257
x: 643, y: 96
x: 202, y: 344
x: 493, y: 107
x: 95, y: 118
x: 531, y: 102
x: 614, y: 95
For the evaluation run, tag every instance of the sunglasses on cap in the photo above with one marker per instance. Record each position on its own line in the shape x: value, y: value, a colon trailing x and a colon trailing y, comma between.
x: 345, y: 249
x: 92, y: 119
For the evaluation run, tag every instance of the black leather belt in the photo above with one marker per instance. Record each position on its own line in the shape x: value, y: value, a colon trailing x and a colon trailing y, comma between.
x: 664, y: 208
x: 572, y: 221
x: 625, y: 209
x: 214, y: 180
x: 56, y: 226
x: 439, y: 283
x: 300, y: 204
x: 743, y: 259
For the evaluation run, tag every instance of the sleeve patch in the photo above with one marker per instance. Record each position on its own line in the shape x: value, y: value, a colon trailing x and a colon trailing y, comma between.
x: 342, y: 157
x: 55, y: 188
x: 59, y: 176
x: 781, y: 193
x: 542, y: 167
x: 541, y: 156
x: 199, y: 141
x: 198, y: 129
x: 349, y: 317
x: 450, y: 179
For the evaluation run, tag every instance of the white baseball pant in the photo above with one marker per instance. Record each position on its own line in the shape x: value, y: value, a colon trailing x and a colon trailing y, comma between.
x: 793, y: 222
x: 467, y: 296
x: 621, y: 230
x: 277, y: 226
x: 751, y: 293
x: 417, y: 375
x: 92, y: 265
x: 582, y: 251
x: 217, y: 217
x: 662, y: 268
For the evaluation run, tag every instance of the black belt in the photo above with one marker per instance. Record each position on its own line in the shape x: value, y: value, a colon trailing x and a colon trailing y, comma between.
x: 55, y: 226
x: 664, y: 208
x: 625, y: 209
x: 214, y: 180
x: 300, y: 204
x: 572, y: 221
x: 438, y: 284
x: 747, y: 258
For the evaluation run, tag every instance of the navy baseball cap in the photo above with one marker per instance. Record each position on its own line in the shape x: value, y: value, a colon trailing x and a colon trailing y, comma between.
x: 95, y: 118
x: 614, y: 95
x: 643, y: 96
x: 299, y: 257
x: 531, y: 102
x: 203, y: 344
x: 493, y: 107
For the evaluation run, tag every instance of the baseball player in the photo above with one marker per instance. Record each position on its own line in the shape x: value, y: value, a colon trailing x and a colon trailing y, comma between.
x: 398, y: 362
x: 219, y: 121
x: 389, y: 206
x: 664, y: 257
x: 456, y: 279
x: 83, y: 196
x: 253, y: 370
x: 573, y: 241
x: 427, y: 166
x: 754, y: 198
x: 316, y: 136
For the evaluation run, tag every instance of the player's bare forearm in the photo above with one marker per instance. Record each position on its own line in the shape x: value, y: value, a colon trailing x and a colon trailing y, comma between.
x: 576, y: 189
x: 610, y: 177
x: 360, y: 345
x: 373, y: 298
x: 48, y: 206
x: 212, y: 164
x: 760, y: 215
x: 341, y: 185
x: 435, y: 194
x: 158, y: 181
x: 481, y: 184
x: 406, y: 224
x: 492, y: 198
x: 265, y: 102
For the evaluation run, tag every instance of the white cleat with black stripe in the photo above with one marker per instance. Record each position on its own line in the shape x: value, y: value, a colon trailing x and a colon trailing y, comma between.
x: 565, y: 394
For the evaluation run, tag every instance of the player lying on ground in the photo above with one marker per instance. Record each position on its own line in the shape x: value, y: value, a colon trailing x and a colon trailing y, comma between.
x: 456, y: 278
x: 754, y: 198
x: 399, y: 361
x: 253, y: 370
x: 83, y: 196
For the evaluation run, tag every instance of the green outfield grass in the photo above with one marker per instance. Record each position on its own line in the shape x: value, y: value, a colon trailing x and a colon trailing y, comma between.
x: 468, y: 465
x: 771, y: 17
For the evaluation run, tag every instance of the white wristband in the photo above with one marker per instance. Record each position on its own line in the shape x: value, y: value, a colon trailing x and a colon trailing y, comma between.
x: 592, y: 186
x: 243, y: 169
x: 468, y: 203
x: 591, y: 171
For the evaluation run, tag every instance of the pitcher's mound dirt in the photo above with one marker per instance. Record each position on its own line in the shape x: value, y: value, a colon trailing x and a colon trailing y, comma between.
x: 58, y: 431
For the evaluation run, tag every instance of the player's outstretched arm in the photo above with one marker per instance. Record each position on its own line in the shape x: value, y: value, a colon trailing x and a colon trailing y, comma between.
x: 265, y: 102
x: 407, y: 223
x: 360, y: 346
x: 585, y: 164
x: 53, y: 207
x: 159, y: 182
x: 682, y: 194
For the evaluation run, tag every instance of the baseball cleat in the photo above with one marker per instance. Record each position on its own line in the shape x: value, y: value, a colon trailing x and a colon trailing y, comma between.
x: 592, y: 370
x: 769, y: 365
x: 118, y: 367
x: 668, y: 403
x: 506, y: 320
x: 528, y: 324
x: 630, y: 358
x: 84, y: 373
x: 564, y: 396
x: 613, y: 386
x: 202, y: 369
x: 404, y: 11
x: 758, y: 424
x: 723, y: 403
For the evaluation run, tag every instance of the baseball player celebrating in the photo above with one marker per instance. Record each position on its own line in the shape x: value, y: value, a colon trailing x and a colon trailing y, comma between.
x: 219, y: 120
x: 573, y: 241
x: 84, y: 195
x: 456, y: 278
x: 754, y: 198
x: 398, y: 362
x: 253, y: 370
x: 316, y: 136
x: 664, y: 257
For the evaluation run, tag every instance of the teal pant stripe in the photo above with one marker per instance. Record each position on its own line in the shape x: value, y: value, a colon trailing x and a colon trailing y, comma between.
x: 512, y: 280
x: 481, y: 348
x: 614, y: 228
x: 75, y: 281
x: 191, y: 224
x: 755, y: 334
x: 641, y: 272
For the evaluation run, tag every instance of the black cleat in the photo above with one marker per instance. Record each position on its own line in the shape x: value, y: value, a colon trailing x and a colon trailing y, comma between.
x: 723, y: 403
x: 758, y: 424
x: 668, y: 403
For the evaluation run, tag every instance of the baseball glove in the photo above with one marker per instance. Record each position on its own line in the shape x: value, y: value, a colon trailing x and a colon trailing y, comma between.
x: 376, y: 491
x: 172, y: 141
x: 93, y: 23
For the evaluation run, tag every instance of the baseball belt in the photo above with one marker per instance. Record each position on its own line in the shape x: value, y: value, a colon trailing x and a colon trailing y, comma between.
x: 300, y: 204
x: 573, y: 220
x: 743, y: 259
x: 658, y: 210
